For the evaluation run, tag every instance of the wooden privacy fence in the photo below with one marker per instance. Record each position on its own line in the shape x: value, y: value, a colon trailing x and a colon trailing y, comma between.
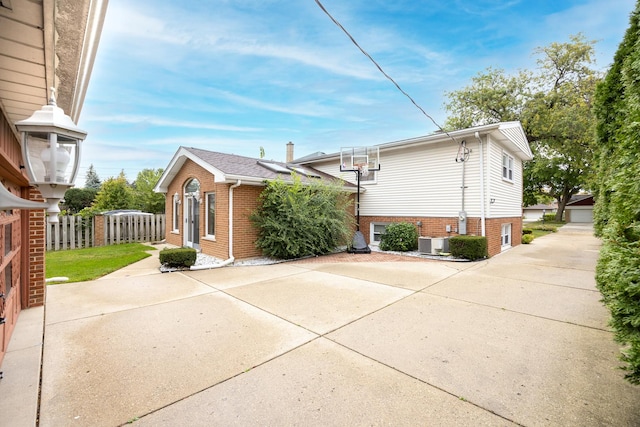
x: 73, y: 232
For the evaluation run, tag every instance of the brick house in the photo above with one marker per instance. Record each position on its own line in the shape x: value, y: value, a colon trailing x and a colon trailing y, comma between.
x: 45, y: 44
x: 210, y: 195
x: 467, y: 181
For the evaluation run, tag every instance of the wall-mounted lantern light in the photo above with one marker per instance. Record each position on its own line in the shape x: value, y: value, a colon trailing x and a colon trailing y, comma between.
x: 51, y: 146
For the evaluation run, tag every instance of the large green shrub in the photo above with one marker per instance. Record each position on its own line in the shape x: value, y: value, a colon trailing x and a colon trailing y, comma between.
x: 399, y: 236
x: 617, y: 195
x: 299, y: 219
x: 468, y: 247
x: 178, y: 257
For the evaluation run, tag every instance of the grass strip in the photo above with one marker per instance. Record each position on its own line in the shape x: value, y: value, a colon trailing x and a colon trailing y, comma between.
x: 91, y: 263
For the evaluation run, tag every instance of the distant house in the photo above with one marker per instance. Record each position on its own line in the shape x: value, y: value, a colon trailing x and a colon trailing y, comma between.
x: 210, y: 195
x: 421, y: 182
x: 579, y: 209
x: 535, y: 212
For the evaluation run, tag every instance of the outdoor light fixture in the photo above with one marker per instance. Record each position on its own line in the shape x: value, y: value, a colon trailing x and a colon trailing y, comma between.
x: 51, y: 145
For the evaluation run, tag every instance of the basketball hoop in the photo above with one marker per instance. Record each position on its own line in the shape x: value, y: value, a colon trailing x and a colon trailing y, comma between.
x: 360, y: 160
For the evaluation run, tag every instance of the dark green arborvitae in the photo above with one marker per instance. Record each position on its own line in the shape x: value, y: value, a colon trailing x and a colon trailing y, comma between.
x: 617, y: 211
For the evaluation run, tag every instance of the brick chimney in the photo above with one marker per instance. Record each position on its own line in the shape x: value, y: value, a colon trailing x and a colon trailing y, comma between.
x: 289, y: 152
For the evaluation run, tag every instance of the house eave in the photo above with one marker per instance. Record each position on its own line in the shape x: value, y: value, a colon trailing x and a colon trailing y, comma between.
x: 509, y: 133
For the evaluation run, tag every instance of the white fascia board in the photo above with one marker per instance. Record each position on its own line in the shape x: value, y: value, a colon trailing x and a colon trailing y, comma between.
x: 176, y: 164
x: 510, y: 133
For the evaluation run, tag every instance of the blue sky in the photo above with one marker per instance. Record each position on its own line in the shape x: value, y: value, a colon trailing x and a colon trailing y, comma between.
x: 236, y: 75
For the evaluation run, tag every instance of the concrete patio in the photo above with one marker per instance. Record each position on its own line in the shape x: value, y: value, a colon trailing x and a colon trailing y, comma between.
x: 519, y: 339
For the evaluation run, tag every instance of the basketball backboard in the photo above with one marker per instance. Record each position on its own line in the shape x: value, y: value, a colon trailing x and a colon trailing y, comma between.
x: 363, y: 159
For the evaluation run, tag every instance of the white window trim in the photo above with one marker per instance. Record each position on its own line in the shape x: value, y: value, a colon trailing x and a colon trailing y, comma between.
x: 503, y: 227
x: 208, y: 236
x: 510, y: 167
x: 372, y: 241
x: 176, y: 202
x: 373, y: 180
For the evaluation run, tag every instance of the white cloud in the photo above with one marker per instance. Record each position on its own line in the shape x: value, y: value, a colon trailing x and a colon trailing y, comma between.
x: 164, y: 122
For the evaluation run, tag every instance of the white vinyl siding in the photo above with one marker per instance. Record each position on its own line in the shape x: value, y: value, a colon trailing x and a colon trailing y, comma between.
x: 422, y: 180
x: 506, y: 195
x: 425, y: 181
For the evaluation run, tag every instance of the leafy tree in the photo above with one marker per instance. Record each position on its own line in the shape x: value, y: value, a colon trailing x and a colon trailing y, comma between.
x: 617, y: 212
x: 559, y: 120
x: 554, y: 106
x: 145, y: 198
x: 92, y: 180
x: 300, y: 219
x: 76, y: 199
x: 491, y: 97
x: 115, y: 193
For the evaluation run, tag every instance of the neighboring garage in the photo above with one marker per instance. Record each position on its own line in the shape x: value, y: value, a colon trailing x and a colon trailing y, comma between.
x: 579, y: 209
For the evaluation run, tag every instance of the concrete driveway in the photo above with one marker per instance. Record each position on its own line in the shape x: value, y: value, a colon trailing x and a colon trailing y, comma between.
x: 520, y: 339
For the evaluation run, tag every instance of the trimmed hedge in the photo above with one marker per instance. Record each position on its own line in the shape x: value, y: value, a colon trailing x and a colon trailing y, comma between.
x: 399, y: 236
x: 527, y: 231
x: 527, y: 238
x: 469, y: 247
x: 178, y: 257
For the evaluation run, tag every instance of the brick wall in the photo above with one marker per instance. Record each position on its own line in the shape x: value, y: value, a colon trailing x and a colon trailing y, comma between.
x: 436, y: 227
x: 244, y: 202
x: 37, y: 249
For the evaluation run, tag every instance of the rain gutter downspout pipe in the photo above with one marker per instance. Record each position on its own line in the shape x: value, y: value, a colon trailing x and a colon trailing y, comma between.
x: 231, y: 259
x: 236, y: 185
x: 482, y: 195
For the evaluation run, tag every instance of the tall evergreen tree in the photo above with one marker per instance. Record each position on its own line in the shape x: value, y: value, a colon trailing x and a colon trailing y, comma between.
x: 92, y: 180
x: 617, y: 212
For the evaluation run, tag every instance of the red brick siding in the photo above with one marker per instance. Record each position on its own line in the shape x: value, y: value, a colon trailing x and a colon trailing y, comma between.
x: 37, y: 250
x: 436, y: 227
x: 245, y: 201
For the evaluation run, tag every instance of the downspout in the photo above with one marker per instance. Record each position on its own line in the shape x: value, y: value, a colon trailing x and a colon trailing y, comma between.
x: 236, y: 185
x: 482, y: 195
x: 231, y: 258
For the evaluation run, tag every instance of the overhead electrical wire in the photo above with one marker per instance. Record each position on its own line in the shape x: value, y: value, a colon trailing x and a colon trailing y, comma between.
x: 335, y: 21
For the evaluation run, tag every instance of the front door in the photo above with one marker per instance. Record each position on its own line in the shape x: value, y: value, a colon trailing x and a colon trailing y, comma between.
x: 192, y: 214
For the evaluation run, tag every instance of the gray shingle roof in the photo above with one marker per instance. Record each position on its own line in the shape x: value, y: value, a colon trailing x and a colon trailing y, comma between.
x: 240, y: 166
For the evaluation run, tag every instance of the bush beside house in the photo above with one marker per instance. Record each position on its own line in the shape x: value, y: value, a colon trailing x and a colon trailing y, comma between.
x: 295, y: 219
x: 401, y: 237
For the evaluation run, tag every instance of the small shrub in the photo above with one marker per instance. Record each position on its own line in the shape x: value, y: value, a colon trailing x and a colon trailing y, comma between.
x: 543, y: 227
x: 469, y: 247
x: 527, y: 238
x: 549, y: 217
x: 527, y: 231
x: 400, y: 236
x: 178, y: 257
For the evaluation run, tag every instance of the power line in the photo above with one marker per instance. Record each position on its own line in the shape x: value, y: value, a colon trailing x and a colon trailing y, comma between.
x: 335, y: 21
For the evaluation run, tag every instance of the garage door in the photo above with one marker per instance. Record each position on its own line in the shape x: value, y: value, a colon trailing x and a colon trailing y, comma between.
x: 581, y: 215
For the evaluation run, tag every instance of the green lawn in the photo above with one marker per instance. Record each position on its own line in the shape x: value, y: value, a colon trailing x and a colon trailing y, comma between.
x: 543, y: 228
x: 91, y: 263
